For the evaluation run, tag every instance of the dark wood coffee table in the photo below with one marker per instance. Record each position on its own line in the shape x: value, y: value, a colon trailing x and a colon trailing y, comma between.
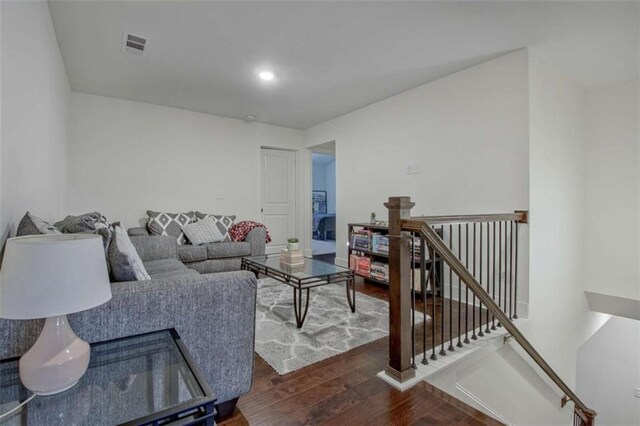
x: 313, y: 273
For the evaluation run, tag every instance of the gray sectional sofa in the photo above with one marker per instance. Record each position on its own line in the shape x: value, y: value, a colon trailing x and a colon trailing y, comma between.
x: 215, y: 257
x: 213, y: 313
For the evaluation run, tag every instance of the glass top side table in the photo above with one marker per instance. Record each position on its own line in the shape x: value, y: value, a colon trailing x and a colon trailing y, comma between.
x: 138, y: 380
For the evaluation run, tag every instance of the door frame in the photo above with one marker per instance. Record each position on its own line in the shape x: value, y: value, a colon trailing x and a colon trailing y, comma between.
x: 296, y: 188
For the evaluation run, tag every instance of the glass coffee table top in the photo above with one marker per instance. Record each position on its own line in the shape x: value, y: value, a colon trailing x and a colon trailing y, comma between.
x: 128, y: 379
x: 311, y: 268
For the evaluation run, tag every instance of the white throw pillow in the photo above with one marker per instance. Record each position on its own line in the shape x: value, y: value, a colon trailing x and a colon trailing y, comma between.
x: 203, y: 232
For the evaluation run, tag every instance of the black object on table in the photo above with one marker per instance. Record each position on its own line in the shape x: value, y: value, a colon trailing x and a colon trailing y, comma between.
x: 313, y: 273
x: 149, y: 379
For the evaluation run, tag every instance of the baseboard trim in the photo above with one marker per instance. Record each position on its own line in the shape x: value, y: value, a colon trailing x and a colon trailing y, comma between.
x: 487, y: 409
x: 341, y: 262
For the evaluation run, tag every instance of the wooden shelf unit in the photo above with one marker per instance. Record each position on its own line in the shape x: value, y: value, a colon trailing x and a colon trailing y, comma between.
x: 354, y: 228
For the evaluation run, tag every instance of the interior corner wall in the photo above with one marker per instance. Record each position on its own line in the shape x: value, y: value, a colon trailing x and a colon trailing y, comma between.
x: 468, y: 133
x: 559, y: 317
x: 612, y: 223
x: 35, y: 95
x: 609, y: 371
x: 129, y: 157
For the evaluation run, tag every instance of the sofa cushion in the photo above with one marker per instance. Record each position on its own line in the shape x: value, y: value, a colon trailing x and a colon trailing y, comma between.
x: 176, y: 273
x: 228, y: 249
x: 125, y: 263
x: 161, y: 223
x: 161, y: 266
x: 189, y: 253
x: 224, y: 223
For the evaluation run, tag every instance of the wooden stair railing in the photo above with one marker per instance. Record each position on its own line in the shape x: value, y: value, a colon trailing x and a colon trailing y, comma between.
x: 401, y: 333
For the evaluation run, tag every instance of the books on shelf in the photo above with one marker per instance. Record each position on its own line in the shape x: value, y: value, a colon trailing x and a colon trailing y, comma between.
x: 291, y: 258
x: 379, y: 243
x: 360, y: 240
x: 361, y: 265
x: 380, y: 271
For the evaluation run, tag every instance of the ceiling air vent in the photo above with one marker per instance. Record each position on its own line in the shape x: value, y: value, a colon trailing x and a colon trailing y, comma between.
x: 135, y: 44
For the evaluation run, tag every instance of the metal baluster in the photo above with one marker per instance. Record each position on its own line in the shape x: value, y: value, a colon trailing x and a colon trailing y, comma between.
x: 459, y: 344
x: 432, y: 275
x: 423, y: 289
x: 466, y: 289
x: 493, y: 288
x: 473, y: 306
x: 413, y: 301
x: 515, y: 296
x: 511, y: 270
x: 487, y: 329
x: 480, y: 332
x: 441, y: 286
x: 451, y: 348
x: 500, y: 269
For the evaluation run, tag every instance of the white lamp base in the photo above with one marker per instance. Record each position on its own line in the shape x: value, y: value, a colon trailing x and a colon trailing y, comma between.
x: 56, y: 361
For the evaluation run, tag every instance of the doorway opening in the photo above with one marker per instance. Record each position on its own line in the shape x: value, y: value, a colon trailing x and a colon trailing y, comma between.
x: 323, y: 202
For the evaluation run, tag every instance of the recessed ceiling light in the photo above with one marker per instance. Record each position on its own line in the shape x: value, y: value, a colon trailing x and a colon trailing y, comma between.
x: 266, y: 75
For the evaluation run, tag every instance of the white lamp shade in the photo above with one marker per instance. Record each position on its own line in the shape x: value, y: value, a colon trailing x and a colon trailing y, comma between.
x: 50, y: 275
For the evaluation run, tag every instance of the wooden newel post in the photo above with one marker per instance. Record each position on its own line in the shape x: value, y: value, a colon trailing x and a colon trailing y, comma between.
x: 399, y: 291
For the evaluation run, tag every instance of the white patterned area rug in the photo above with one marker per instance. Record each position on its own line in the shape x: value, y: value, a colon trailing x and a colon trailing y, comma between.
x: 329, y: 329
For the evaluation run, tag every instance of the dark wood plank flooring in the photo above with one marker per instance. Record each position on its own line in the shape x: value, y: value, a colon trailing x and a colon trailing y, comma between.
x: 344, y: 390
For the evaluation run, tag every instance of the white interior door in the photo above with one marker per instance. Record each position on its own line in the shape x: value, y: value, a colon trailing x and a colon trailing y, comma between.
x: 278, y: 196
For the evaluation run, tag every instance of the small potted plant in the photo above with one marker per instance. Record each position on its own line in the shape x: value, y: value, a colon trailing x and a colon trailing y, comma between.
x: 293, y: 244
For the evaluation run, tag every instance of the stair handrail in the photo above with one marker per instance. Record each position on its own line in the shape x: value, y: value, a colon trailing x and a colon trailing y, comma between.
x: 422, y: 226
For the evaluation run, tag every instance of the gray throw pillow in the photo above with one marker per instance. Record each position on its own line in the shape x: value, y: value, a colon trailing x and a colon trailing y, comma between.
x: 125, y: 262
x: 203, y: 232
x: 169, y: 224
x: 90, y: 223
x: 223, y: 223
x: 33, y: 225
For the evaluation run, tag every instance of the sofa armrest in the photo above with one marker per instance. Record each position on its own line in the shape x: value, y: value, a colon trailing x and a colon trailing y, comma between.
x: 139, y: 231
x: 257, y: 237
x: 214, y: 314
x: 155, y: 247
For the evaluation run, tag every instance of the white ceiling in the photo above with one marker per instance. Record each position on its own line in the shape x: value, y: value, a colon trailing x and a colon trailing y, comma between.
x: 330, y: 57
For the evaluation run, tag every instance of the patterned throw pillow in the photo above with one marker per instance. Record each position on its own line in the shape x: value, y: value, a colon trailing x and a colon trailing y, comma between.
x: 224, y: 223
x: 124, y: 260
x: 33, y: 225
x: 169, y: 224
x: 203, y: 232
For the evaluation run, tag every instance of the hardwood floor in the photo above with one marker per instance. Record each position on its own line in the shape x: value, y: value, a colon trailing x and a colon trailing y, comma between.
x: 344, y: 390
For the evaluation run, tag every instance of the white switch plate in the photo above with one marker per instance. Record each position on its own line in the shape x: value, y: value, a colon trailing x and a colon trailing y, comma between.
x: 636, y: 392
x: 220, y: 195
x: 413, y: 168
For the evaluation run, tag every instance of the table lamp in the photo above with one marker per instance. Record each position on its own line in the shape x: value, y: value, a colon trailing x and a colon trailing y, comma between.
x: 50, y: 276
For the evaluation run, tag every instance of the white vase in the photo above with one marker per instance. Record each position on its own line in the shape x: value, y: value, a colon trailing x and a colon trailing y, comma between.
x: 293, y: 246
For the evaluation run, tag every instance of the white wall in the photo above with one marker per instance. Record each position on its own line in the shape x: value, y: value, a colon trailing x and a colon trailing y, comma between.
x: 560, y: 320
x: 609, y: 370
x: 468, y: 132
x: 613, y: 189
x: 127, y: 157
x: 319, y: 173
x: 330, y: 172
x: 35, y: 95
x: 324, y: 177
